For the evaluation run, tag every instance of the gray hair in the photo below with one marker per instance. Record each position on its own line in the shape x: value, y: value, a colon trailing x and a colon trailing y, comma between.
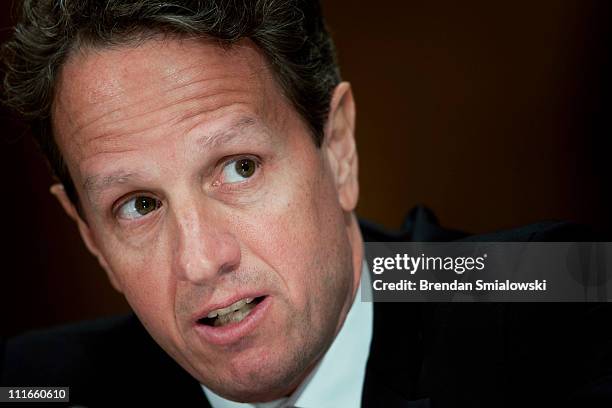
x: 291, y: 34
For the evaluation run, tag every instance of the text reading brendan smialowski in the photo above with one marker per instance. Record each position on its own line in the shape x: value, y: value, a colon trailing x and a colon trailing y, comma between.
x: 458, y: 265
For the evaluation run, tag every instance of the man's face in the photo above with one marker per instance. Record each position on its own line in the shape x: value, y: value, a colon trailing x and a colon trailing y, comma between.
x: 202, y: 189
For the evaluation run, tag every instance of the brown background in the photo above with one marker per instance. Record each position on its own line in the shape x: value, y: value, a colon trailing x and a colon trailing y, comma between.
x: 492, y: 114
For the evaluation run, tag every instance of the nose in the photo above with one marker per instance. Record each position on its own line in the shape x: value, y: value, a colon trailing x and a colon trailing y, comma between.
x: 205, y: 247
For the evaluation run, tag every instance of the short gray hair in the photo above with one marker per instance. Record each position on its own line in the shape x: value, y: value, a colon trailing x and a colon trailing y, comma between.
x: 291, y: 34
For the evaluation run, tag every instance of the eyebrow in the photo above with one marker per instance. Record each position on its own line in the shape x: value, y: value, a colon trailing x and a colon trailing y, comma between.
x: 95, y: 184
x: 223, y: 136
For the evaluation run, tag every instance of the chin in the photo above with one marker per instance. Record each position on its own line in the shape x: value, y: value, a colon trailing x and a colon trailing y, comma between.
x: 260, y: 379
x: 260, y: 387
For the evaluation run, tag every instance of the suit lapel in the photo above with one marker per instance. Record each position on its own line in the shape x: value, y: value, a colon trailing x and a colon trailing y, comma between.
x: 395, y: 360
x: 395, y: 365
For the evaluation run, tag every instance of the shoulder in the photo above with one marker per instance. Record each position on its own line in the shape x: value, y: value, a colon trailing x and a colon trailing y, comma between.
x: 421, y: 224
x: 54, y: 354
x: 501, y: 354
x: 115, y: 354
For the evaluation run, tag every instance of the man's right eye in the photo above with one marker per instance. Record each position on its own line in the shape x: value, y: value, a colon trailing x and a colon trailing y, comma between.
x: 138, y: 207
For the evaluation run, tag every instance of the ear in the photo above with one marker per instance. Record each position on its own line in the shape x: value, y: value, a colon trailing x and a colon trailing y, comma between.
x: 58, y: 191
x: 339, y: 144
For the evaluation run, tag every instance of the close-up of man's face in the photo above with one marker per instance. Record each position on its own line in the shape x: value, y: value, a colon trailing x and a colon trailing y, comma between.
x: 190, y: 225
x: 205, y: 198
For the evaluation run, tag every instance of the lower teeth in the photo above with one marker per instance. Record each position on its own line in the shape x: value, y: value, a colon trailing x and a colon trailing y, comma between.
x: 235, y: 316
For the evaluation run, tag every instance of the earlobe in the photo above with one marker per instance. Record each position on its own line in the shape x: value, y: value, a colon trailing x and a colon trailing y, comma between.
x: 340, y: 146
x: 58, y: 191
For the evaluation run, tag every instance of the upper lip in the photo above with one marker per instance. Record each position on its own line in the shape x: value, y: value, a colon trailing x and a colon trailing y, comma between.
x: 224, y: 303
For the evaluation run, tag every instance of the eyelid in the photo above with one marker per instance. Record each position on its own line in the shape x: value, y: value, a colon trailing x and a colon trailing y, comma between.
x: 233, y: 159
x: 129, y: 197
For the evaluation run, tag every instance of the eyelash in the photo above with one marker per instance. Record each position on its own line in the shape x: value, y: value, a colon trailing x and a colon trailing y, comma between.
x: 223, y: 163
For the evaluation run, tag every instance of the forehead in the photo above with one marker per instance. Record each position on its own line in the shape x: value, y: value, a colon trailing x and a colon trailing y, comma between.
x: 108, y: 97
x: 97, y: 75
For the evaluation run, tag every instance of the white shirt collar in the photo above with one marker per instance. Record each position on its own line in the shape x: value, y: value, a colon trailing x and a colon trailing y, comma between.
x: 337, y: 380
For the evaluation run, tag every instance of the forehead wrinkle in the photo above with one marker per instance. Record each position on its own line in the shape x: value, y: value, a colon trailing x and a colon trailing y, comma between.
x: 110, y: 88
x: 85, y: 122
x: 199, y: 110
x: 94, y: 184
x: 179, y: 76
x: 108, y: 91
x: 109, y: 140
x: 205, y: 95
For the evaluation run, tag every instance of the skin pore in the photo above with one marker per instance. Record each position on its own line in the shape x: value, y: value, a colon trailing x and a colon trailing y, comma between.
x: 200, y: 182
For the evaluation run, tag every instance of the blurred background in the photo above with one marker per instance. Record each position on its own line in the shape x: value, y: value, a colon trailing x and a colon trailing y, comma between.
x: 491, y: 114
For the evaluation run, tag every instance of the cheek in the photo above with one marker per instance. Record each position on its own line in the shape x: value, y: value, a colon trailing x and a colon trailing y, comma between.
x: 145, y: 281
x: 150, y: 291
x: 299, y: 232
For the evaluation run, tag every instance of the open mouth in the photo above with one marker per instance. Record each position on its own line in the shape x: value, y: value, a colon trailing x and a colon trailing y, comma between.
x: 234, y: 313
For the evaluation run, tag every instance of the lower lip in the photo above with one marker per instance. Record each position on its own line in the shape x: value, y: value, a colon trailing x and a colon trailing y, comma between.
x: 233, y: 332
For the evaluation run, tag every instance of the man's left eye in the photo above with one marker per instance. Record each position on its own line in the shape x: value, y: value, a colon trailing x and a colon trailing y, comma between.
x: 239, y: 170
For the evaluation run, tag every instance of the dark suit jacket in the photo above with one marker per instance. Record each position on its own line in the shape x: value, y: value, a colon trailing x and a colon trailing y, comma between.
x: 422, y: 354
